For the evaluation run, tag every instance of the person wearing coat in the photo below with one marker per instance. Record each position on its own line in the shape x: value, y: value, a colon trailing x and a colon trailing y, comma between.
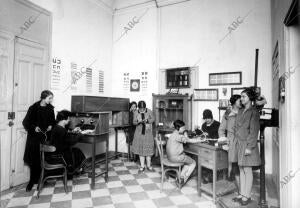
x: 226, y: 133
x: 246, y: 132
x: 143, y: 142
x: 131, y: 128
x: 38, y: 123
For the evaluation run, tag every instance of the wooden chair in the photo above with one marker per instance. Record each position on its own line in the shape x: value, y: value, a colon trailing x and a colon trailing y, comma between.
x: 166, y: 165
x: 47, y: 167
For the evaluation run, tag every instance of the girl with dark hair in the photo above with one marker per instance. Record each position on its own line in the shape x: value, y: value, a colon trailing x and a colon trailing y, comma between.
x: 38, y: 122
x: 131, y: 129
x: 226, y: 134
x: 63, y: 143
x: 246, y: 132
x: 143, y: 142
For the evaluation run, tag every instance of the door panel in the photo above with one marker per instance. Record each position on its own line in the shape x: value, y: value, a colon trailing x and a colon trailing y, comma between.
x: 6, y: 77
x: 30, y: 75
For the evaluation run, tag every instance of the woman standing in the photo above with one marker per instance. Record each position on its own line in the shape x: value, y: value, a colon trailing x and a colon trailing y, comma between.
x: 246, y: 132
x: 143, y: 142
x: 226, y: 133
x: 131, y: 128
x: 38, y: 122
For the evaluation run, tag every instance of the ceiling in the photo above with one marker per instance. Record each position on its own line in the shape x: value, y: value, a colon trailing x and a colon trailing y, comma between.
x: 123, y: 4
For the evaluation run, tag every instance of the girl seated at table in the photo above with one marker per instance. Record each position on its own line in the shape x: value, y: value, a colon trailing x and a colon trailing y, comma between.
x: 63, y: 142
x: 175, y: 151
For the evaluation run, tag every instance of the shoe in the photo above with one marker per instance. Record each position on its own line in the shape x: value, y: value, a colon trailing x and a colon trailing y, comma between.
x: 245, y: 202
x: 150, y: 169
x: 142, y: 169
x: 29, y: 186
x: 237, y: 198
x: 179, y: 182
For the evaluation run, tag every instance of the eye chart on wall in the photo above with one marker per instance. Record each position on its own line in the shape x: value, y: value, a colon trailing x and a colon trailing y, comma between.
x: 144, y: 82
x: 126, y: 82
x: 56, y: 73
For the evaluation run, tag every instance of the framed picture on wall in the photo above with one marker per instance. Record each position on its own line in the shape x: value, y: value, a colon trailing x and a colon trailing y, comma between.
x: 237, y: 91
x: 225, y: 78
x: 134, y: 85
x: 206, y: 94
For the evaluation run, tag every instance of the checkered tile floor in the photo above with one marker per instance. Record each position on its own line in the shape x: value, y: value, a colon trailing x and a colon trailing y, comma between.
x: 126, y: 188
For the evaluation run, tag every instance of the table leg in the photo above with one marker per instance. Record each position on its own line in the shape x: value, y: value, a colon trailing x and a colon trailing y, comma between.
x: 93, y: 164
x: 199, y: 176
x: 116, y: 143
x: 106, y: 160
x: 214, y: 179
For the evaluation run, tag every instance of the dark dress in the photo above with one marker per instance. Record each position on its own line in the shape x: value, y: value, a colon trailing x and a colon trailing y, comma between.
x: 212, y: 130
x: 41, y: 116
x: 131, y: 129
x: 63, y: 143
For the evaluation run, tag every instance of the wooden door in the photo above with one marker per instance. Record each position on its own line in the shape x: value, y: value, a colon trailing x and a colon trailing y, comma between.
x: 30, y: 78
x: 6, y: 94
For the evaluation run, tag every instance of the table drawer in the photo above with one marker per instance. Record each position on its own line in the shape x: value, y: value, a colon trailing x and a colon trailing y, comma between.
x: 207, y: 153
x: 208, y: 163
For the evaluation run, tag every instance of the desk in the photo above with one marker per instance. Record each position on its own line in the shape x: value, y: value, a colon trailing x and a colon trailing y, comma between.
x: 93, y: 139
x: 211, y: 157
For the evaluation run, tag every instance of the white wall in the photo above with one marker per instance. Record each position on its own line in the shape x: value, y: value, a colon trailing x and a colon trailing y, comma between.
x: 81, y: 33
x: 188, y: 34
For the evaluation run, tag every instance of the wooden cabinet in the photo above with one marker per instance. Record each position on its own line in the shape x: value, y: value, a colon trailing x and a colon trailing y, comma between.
x: 118, y: 107
x: 168, y: 108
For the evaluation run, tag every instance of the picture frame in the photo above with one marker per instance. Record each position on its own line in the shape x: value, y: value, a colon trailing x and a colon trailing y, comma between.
x: 223, y: 103
x: 134, y: 85
x: 211, y: 94
x: 237, y: 90
x: 225, y: 78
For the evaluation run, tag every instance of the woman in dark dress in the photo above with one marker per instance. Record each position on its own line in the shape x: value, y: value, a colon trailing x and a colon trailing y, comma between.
x: 38, y: 123
x: 131, y: 128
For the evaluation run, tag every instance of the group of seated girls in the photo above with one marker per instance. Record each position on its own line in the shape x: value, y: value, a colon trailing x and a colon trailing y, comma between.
x: 239, y: 129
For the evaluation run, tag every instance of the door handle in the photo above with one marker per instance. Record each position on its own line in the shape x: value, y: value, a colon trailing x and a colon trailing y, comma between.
x: 10, y: 123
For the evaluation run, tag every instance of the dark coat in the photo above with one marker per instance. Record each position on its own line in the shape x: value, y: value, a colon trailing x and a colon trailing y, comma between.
x: 41, y: 117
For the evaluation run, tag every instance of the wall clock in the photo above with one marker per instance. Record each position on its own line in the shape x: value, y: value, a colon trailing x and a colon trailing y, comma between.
x: 134, y: 85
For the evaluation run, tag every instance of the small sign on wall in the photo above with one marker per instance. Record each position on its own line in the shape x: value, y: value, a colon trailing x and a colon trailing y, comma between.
x: 134, y: 85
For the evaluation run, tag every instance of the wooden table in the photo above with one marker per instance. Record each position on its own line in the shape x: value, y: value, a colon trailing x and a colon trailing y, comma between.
x: 210, y: 157
x: 93, y: 139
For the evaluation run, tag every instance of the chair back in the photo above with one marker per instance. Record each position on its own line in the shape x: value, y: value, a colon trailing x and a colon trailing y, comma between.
x: 45, y: 148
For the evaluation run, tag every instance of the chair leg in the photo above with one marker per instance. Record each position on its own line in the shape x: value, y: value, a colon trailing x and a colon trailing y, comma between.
x: 162, y: 178
x: 41, y: 182
x: 65, y: 180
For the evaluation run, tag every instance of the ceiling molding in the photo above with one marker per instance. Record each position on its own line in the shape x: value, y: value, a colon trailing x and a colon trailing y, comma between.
x: 134, y: 7
x: 103, y: 5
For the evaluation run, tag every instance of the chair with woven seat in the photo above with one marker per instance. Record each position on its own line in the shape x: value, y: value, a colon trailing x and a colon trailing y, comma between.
x: 48, y: 167
x: 166, y: 164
